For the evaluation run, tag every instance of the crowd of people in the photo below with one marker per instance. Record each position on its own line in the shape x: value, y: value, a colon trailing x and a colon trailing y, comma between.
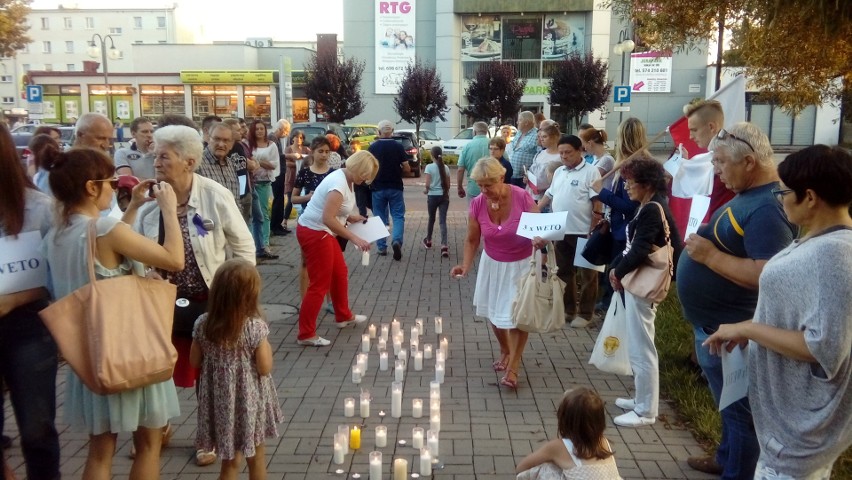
x: 767, y: 270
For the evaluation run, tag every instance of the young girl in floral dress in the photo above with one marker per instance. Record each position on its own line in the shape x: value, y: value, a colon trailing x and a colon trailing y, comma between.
x: 237, y: 403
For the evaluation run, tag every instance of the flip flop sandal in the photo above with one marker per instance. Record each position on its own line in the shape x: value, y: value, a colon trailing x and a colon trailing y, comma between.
x: 508, y: 382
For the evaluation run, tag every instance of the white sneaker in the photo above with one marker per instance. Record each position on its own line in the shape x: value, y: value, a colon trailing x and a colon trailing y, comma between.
x: 317, y: 342
x: 579, y: 322
x: 625, y: 403
x: 353, y: 321
x: 632, y: 419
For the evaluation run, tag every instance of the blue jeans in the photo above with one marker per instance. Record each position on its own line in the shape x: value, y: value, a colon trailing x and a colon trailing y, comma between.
x: 738, y: 451
x: 28, y: 364
x: 256, y: 225
x: 260, y: 211
x: 390, y: 200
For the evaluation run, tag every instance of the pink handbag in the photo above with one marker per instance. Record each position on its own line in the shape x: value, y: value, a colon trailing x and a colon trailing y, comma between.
x: 652, y: 280
x: 115, y: 332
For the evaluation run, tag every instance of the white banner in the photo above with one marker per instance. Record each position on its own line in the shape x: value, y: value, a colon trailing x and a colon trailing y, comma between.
x: 651, y: 72
x: 549, y: 226
x: 22, y: 266
x: 394, y: 33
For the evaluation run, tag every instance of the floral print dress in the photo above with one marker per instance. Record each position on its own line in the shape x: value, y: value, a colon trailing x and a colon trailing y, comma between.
x: 237, y: 408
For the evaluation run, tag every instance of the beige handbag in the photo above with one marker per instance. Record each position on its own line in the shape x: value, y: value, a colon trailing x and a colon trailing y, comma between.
x: 652, y: 279
x: 116, y: 332
x: 538, y: 305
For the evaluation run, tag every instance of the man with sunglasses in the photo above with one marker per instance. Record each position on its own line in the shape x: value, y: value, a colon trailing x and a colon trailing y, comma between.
x: 718, y: 278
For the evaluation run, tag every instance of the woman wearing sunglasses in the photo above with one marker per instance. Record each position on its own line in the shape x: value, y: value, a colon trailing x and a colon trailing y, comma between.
x: 83, y: 183
x: 800, y: 339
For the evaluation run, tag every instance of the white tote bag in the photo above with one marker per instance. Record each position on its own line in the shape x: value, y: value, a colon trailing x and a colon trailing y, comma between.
x: 610, y: 353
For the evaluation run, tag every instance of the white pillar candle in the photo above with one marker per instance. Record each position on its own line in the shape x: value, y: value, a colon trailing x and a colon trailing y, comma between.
x: 433, y: 443
x: 439, y: 325
x: 365, y: 404
x: 396, y: 399
x: 394, y: 327
x: 371, y: 330
x: 440, y: 356
x: 439, y: 373
x: 365, y: 343
x: 383, y: 331
x: 339, y: 449
x: 399, y: 371
x: 427, y: 351
x: 418, y: 360
x: 356, y: 374
x: 383, y: 361
x: 349, y: 407
x: 435, y: 422
x: 343, y: 431
x: 415, y: 332
x: 425, y: 462
x: 383, y: 344
x: 363, y: 362
x: 376, y: 465
x: 445, y: 347
x: 403, y: 355
x: 417, y: 440
x: 419, y: 323
x: 400, y: 469
x: 381, y: 436
x: 397, y: 345
x: 414, y: 345
x: 434, y: 406
x: 434, y: 390
x: 416, y: 408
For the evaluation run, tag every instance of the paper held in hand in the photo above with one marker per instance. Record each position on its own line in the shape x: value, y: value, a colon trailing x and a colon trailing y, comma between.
x: 697, y: 213
x: 371, y: 231
x: 22, y: 266
x: 735, y: 376
x: 580, y: 260
x: 549, y: 226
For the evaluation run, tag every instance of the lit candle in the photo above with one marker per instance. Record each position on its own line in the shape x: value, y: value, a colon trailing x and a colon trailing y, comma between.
x: 427, y: 351
x: 355, y: 438
x: 396, y: 399
x: 417, y: 437
x: 363, y: 362
x: 439, y: 325
x: 371, y: 330
x: 435, y: 390
x: 397, y: 345
x: 365, y: 404
x: 400, y: 469
x: 356, y: 374
x: 434, y: 406
x: 439, y: 373
x: 343, y: 432
x: 418, y: 360
x: 384, y: 332
x: 349, y: 407
x: 376, y: 465
x: 435, y: 422
x: 415, y: 332
x: 414, y: 345
x: 419, y: 323
x: 383, y: 344
x: 395, y: 327
x: 445, y: 347
x: 383, y: 361
x: 399, y: 371
x: 432, y: 442
x: 381, y: 436
x: 440, y: 356
x: 425, y: 462
x: 403, y: 355
x: 365, y: 343
x: 339, y: 449
x: 416, y: 408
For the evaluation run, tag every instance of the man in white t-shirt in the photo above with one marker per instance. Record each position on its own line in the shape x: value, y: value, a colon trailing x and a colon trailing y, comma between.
x: 570, y: 192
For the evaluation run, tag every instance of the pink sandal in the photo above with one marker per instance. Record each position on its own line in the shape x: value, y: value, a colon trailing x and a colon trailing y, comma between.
x: 499, y: 366
x: 508, y: 382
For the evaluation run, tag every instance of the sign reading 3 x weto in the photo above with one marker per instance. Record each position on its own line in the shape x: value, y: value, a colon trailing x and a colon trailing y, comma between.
x: 229, y: 76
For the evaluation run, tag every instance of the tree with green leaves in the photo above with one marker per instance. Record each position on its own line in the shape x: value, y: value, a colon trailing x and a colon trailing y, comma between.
x: 494, y: 93
x: 336, y: 85
x: 13, y: 26
x: 579, y: 85
x: 421, y: 96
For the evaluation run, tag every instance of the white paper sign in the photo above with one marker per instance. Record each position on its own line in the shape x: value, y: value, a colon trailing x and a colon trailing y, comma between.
x: 549, y: 226
x: 580, y: 260
x: 371, y: 231
x: 673, y: 164
x: 243, y: 184
x: 532, y: 178
x: 734, y: 375
x: 700, y: 205
x: 22, y: 266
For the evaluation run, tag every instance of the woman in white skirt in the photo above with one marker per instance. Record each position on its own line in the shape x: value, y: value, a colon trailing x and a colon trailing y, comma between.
x: 494, y: 216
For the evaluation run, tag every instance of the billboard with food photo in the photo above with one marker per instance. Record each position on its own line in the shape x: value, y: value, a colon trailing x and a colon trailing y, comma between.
x: 481, y: 38
x: 562, y: 35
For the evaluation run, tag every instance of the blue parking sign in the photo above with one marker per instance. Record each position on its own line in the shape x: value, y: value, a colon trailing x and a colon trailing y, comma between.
x: 34, y: 93
x: 621, y: 94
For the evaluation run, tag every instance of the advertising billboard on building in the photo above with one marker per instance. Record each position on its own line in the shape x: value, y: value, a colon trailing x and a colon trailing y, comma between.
x: 480, y: 39
x: 395, y: 43
x: 651, y: 72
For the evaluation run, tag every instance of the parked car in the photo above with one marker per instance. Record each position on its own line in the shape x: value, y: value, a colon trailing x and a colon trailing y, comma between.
x: 313, y: 129
x: 409, y: 142
x: 366, y: 134
x: 24, y: 133
x: 427, y: 139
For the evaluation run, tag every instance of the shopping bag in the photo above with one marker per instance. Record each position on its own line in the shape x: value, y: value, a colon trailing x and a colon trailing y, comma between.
x: 611, y: 352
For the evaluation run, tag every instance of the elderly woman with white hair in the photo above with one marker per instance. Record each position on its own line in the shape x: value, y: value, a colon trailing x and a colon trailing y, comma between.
x: 211, y: 225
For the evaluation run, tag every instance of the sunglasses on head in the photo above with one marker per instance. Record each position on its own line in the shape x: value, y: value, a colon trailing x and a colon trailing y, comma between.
x: 724, y: 134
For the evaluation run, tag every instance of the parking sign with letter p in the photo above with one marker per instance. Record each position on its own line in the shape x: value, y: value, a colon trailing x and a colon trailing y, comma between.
x: 621, y: 94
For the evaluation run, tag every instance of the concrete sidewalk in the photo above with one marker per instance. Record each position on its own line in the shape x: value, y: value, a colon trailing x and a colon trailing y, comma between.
x: 485, y: 430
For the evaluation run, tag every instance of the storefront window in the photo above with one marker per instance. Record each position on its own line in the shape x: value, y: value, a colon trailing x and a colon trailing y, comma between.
x: 301, y: 110
x: 158, y: 100
x: 61, y: 104
x: 114, y: 101
x: 257, y: 102
x: 220, y: 100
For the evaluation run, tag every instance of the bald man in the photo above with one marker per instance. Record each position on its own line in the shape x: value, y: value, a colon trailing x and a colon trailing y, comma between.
x: 93, y: 130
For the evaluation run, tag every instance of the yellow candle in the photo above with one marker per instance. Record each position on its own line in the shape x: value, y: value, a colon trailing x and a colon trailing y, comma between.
x: 355, y: 438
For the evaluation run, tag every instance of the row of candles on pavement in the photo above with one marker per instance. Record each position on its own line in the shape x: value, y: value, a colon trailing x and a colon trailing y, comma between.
x: 426, y: 442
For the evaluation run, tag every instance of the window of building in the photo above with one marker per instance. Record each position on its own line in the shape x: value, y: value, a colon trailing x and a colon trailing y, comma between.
x: 25, y: 67
x: 68, y: 23
x: 257, y: 102
x: 71, y: 67
x: 137, y: 41
x: 115, y: 31
x: 45, y: 47
x: 45, y: 23
x: 6, y: 79
x: 69, y: 46
x: 161, y: 22
x: 90, y: 23
x: 8, y: 100
x: 26, y: 48
x: 160, y: 100
x: 137, y: 22
x: 218, y: 100
x: 48, y: 67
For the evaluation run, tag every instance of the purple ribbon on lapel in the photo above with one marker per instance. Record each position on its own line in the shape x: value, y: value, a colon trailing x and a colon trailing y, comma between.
x: 199, y: 225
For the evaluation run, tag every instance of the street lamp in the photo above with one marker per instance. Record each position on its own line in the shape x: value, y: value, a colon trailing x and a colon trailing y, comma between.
x: 624, y: 46
x: 114, y: 54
